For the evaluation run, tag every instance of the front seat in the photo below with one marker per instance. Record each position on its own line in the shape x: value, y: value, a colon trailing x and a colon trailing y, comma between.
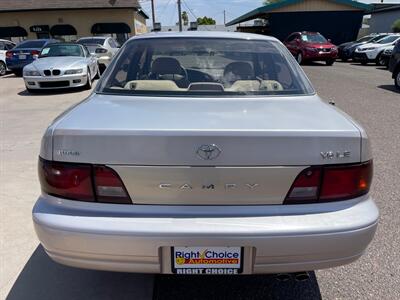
x: 238, y: 70
x: 168, y: 68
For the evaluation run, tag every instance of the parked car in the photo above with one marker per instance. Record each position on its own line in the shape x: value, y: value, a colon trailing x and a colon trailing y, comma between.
x: 205, y: 153
x: 103, y: 47
x: 394, y: 64
x: 385, y: 56
x: 5, y: 45
x: 25, y: 53
x: 61, y: 65
x: 311, y: 46
x: 371, y: 52
x: 346, y: 50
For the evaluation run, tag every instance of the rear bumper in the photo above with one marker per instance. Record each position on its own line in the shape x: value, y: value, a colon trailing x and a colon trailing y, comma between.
x: 124, y: 241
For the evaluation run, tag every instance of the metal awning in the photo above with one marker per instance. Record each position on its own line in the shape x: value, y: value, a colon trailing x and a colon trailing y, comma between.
x: 63, y: 29
x: 12, y: 31
x: 100, y: 28
x: 262, y: 11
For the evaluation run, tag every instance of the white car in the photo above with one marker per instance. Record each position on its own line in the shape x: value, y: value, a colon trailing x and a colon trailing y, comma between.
x: 104, y: 48
x: 5, y: 45
x: 61, y: 65
x: 205, y: 153
x: 371, y: 52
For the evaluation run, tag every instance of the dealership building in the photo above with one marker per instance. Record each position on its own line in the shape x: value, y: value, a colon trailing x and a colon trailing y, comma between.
x: 338, y: 20
x: 69, y: 20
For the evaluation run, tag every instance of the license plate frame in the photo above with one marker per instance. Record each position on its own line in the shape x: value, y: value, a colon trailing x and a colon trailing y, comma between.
x: 215, y: 269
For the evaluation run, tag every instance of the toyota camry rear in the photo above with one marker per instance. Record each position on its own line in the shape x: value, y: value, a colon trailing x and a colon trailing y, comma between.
x: 205, y: 153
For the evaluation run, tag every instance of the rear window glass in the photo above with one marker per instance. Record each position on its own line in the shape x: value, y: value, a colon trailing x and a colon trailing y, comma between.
x: 31, y: 44
x: 313, y: 38
x: 180, y: 66
x: 91, y: 41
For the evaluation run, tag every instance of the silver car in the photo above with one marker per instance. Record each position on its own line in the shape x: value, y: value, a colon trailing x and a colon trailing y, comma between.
x: 205, y: 153
x: 104, y: 48
x: 61, y: 66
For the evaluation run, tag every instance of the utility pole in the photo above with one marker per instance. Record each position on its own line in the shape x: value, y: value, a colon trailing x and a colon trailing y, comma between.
x: 153, y: 13
x: 224, y: 17
x: 180, y: 15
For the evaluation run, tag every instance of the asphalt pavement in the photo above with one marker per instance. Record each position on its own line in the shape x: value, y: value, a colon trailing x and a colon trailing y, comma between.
x: 365, y: 92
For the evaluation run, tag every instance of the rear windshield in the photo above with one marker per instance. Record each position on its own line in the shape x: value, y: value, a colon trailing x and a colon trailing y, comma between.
x: 197, y: 66
x: 313, y: 38
x: 31, y: 44
x: 91, y: 41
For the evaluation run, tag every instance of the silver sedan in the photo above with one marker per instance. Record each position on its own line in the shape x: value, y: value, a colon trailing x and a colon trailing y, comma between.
x: 205, y: 153
x: 61, y: 66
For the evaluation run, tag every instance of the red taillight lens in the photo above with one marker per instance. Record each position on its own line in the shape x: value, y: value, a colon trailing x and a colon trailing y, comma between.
x: 71, y: 181
x: 82, y: 182
x: 330, y: 183
x: 35, y: 53
x: 346, y: 182
x: 9, y: 54
x: 109, y: 187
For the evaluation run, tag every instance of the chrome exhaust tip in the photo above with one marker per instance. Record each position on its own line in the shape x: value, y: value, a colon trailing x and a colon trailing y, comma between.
x: 282, y: 277
x: 301, y: 276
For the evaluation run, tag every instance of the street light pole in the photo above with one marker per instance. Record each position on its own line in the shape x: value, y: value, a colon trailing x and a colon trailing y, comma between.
x: 153, y: 13
x: 180, y: 15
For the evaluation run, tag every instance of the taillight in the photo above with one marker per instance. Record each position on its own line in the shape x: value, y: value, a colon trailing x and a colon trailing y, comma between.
x: 330, y: 183
x: 109, y: 187
x: 9, y: 54
x: 35, y: 53
x: 71, y: 181
x: 101, y: 50
x: 82, y: 182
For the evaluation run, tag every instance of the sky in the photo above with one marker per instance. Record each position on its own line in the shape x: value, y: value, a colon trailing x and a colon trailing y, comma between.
x: 166, y: 10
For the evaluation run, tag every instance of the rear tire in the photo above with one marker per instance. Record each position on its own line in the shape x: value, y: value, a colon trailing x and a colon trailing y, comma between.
x: 380, y: 61
x: 3, y: 68
x: 299, y: 58
x: 18, y: 73
x: 330, y: 62
x: 397, y: 79
x: 88, y: 84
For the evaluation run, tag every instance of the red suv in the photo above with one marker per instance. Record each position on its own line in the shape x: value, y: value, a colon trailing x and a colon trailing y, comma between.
x: 311, y: 46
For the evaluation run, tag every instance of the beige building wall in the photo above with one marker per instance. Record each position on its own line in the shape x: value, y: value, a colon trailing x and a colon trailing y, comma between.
x: 82, y: 20
x: 315, y: 5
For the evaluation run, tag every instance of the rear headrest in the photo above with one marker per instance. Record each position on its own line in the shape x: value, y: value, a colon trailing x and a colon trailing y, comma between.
x: 240, y: 69
x: 166, y: 65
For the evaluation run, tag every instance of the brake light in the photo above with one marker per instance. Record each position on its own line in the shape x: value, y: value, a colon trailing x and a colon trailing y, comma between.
x: 82, y: 182
x: 101, y: 50
x: 109, y: 187
x: 9, y: 54
x: 35, y: 53
x: 71, y: 181
x: 331, y: 183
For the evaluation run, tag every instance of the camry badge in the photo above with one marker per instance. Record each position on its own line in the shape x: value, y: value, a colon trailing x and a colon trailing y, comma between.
x: 208, y: 152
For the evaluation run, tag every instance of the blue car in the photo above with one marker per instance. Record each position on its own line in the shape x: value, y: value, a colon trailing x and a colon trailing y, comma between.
x: 25, y: 53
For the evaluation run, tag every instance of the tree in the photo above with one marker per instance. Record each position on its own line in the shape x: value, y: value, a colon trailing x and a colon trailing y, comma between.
x: 206, y: 21
x: 396, y: 26
x: 185, y: 18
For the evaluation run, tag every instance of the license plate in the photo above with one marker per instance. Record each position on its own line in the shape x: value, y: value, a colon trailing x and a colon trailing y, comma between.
x: 207, y: 260
x: 22, y: 56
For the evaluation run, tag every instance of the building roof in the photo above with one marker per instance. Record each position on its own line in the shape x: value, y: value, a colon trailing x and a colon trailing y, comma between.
x: 27, y: 5
x: 261, y: 11
x: 384, y: 7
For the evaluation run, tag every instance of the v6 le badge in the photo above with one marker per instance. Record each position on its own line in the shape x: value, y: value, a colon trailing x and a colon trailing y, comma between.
x: 337, y: 154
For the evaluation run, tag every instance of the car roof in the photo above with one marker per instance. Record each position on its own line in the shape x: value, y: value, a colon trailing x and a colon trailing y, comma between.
x: 204, y: 34
x: 93, y: 37
x: 7, y: 41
